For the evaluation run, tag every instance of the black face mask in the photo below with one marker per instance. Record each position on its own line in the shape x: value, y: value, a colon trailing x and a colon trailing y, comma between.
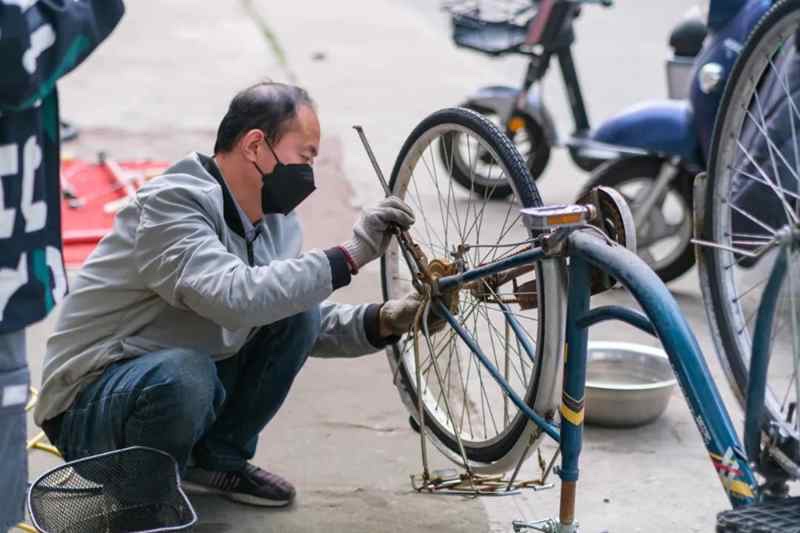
x: 286, y: 186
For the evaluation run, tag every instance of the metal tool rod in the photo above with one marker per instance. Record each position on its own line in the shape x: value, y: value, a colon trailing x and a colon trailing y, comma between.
x: 372, y: 159
x: 403, y: 238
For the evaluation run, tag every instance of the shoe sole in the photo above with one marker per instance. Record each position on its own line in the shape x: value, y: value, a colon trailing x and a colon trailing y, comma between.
x: 248, y: 499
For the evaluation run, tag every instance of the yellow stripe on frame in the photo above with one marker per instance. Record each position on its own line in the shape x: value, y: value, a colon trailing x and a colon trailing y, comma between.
x: 573, y: 417
x: 739, y: 487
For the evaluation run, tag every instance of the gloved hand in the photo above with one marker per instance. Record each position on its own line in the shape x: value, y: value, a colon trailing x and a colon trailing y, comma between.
x: 371, y: 233
x: 397, y: 316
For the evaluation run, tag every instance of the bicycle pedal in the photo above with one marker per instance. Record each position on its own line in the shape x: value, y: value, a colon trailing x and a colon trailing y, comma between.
x: 768, y: 517
x: 555, y: 216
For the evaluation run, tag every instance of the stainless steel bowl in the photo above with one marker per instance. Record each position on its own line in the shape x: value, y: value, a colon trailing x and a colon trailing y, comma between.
x: 627, y: 384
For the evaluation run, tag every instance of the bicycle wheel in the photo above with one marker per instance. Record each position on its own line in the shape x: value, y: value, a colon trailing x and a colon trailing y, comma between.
x: 528, y: 137
x: 664, y: 239
x: 752, y: 192
x: 490, y: 426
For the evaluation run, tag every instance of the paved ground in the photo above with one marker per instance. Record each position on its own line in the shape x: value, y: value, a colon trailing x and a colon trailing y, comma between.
x: 159, y: 87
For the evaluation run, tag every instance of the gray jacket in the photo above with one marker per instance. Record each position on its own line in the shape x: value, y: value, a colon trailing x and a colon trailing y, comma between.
x: 177, y: 271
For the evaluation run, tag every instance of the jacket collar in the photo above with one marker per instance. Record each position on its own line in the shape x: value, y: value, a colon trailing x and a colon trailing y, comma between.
x: 230, y: 212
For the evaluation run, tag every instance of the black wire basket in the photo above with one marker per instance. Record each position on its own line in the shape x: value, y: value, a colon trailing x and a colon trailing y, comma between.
x: 491, y: 27
x: 135, y: 489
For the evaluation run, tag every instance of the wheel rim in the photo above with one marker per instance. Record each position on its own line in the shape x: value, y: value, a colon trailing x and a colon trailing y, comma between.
x: 757, y: 176
x: 667, y: 230
x: 449, y: 216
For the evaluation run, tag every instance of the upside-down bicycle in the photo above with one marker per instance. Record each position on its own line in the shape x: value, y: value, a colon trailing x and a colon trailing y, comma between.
x: 514, y: 284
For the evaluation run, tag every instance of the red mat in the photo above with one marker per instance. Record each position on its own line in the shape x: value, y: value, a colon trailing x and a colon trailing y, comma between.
x: 90, y: 217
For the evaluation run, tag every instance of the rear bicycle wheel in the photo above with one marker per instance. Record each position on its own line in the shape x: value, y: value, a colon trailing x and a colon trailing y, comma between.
x: 751, y: 193
x: 459, y: 227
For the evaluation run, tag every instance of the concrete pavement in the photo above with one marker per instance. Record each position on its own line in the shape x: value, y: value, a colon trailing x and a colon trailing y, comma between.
x: 158, y: 88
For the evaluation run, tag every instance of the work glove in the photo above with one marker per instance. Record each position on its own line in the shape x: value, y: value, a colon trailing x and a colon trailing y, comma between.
x: 372, y: 232
x: 397, y: 316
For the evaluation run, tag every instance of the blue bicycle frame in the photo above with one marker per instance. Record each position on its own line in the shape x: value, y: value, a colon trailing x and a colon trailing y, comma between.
x: 662, y: 317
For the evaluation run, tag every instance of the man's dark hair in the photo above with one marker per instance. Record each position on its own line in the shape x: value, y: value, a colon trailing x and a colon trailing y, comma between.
x: 266, y: 106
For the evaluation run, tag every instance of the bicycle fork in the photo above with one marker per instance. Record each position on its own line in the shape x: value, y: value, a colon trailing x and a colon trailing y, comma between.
x: 573, y: 402
x: 573, y: 395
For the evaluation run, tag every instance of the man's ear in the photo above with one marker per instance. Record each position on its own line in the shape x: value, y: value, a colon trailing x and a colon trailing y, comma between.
x: 251, y: 143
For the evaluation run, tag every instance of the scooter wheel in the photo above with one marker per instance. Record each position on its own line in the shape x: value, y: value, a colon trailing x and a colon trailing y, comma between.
x: 466, y: 168
x: 664, y: 239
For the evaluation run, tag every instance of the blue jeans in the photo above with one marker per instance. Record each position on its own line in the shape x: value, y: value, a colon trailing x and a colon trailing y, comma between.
x: 183, y: 403
x: 14, y: 382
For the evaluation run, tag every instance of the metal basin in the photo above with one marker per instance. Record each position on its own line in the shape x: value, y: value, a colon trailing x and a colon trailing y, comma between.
x: 627, y: 384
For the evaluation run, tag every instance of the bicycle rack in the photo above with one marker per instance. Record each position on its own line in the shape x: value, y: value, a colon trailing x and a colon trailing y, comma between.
x: 467, y: 483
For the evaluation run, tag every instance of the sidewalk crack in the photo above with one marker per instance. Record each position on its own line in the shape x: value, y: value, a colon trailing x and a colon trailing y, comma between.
x: 270, y: 37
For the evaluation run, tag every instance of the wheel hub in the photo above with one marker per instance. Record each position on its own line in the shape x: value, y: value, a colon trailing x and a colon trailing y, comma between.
x: 439, y: 268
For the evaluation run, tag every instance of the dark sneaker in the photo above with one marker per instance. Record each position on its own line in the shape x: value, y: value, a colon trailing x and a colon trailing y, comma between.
x: 251, y: 485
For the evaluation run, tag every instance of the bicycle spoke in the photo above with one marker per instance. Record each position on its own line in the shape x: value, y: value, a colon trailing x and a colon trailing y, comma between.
x: 753, y: 219
x: 464, y: 399
x: 491, y: 340
x: 479, y: 218
x: 451, y: 195
x: 447, y: 377
x: 429, y: 361
x: 484, y: 396
x: 503, y: 233
x: 516, y: 370
x: 755, y: 178
x: 517, y: 315
x: 466, y: 317
x: 773, y: 149
x: 428, y: 227
x: 771, y: 185
x: 502, y: 229
x: 446, y: 215
x: 510, y: 252
x: 792, y: 116
x: 741, y: 295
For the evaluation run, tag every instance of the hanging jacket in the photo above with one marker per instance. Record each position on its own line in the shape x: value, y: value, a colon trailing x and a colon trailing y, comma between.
x: 40, y: 41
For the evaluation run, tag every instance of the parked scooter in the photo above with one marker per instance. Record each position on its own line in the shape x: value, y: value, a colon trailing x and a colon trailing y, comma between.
x: 649, y: 152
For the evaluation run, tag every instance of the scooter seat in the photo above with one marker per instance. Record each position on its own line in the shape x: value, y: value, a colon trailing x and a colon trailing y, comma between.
x: 664, y: 127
